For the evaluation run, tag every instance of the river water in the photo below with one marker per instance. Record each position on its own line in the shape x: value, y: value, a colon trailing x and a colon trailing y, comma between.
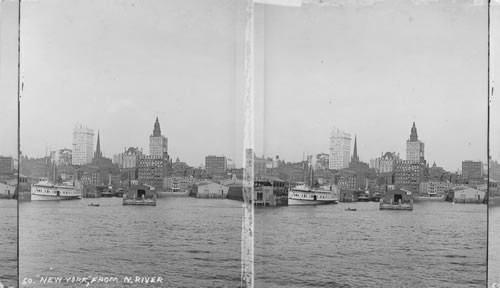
x: 197, y: 243
x: 435, y: 245
x: 188, y: 242
x: 8, y: 242
x: 494, y: 247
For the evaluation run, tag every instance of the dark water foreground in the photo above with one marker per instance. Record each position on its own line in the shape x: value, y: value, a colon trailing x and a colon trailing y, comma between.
x: 435, y: 245
x: 187, y: 242
x: 494, y: 247
x: 196, y: 243
x: 8, y: 242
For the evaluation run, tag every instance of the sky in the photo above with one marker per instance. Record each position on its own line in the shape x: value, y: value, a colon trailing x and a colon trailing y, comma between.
x: 114, y: 66
x: 495, y: 80
x: 371, y: 68
x: 8, y: 77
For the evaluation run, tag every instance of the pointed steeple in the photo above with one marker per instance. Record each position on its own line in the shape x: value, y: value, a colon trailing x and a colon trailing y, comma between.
x: 413, y: 135
x: 355, y: 157
x: 156, y: 130
x: 98, y: 153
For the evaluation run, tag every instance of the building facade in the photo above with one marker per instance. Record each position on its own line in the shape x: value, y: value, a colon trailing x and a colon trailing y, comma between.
x: 6, y: 164
x: 408, y: 175
x: 158, y: 144
x: 215, y: 164
x: 83, y: 145
x: 385, y: 163
x: 340, y: 149
x: 150, y: 171
x: 130, y: 157
x: 414, y: 147
x: 472, y: 170
x: 435, y: 187
x: 177, y: 183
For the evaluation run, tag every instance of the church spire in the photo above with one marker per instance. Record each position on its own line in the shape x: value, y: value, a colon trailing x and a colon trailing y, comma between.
x: 156, y: 130
x: 98, y: 153
x: 413, y: 135
x: 355, y: 157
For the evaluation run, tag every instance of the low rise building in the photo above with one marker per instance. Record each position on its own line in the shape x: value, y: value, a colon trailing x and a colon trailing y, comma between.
x: 209, y: 190
x: 7, y: 190
x: 176, y: 183
x: 435, y: 187
x: 465, y: 194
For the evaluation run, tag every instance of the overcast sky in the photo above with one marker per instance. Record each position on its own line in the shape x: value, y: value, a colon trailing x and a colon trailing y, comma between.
x: 495, y: 80
x: 372, y: 70
x: 8, y: 77
x: 368, y: 69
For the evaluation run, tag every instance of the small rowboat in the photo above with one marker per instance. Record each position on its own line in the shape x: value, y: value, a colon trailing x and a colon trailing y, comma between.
x: 350, y: 209
x: 95, y: 205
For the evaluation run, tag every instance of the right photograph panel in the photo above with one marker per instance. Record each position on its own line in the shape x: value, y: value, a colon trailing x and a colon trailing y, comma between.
x: 373, y: 117
x: 494, y: 168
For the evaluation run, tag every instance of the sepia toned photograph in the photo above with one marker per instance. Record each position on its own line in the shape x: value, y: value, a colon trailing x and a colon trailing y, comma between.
x: 249, y: 143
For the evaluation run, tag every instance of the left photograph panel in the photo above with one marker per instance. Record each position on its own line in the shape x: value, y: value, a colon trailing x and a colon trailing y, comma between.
x: 9, y: 176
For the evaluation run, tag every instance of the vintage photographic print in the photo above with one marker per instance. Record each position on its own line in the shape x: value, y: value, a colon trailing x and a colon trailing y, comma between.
x: 8, y: 143
x: 364, y: 105
x: 494, y: 151
x: 249, y: 143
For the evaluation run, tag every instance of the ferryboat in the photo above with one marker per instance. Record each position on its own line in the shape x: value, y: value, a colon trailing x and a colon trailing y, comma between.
x: 47, y: 190
x: 304, y: 195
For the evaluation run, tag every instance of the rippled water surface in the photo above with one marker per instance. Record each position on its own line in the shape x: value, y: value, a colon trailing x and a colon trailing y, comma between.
x: 494, y: 247
x: 196, y: 243
x: 435, y: 245
x: 8, y: 242
x: 188, y: 242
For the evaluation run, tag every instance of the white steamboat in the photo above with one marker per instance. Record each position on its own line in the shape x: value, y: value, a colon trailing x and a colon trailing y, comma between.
x: 304, y: 195
x: 46, y: 190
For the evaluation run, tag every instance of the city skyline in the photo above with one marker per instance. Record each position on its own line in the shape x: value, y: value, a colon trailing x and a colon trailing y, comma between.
x: 319, y: 82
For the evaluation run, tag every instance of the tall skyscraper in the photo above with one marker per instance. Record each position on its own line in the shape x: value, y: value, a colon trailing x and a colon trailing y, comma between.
x: 340, y: 149
x: 83, y: 145
x: 158, y: 143
x: 414, y: 147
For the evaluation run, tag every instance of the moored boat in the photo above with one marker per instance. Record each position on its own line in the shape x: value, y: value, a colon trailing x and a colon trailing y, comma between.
x: 303, y: 195
x: 46, y: 190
